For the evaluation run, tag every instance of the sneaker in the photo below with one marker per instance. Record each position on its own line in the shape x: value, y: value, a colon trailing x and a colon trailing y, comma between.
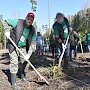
x: 15, y: 87
x: 23, y: 78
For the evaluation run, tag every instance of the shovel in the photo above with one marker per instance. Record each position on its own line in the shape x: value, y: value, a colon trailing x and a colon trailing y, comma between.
x: 28, y: 60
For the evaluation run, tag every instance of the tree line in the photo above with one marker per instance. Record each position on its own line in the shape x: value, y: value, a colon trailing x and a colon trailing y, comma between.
x: 81, y: 22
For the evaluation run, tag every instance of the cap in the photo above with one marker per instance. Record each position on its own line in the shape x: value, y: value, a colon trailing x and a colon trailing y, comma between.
x: 30, y: 15
x: 59, y: 14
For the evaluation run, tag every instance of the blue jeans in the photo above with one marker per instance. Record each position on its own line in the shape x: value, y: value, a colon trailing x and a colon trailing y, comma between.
x: 58, y: 51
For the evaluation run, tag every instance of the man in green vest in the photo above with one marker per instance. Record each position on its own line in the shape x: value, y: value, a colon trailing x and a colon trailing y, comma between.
x: 61, y: 32
x: 22, y: 33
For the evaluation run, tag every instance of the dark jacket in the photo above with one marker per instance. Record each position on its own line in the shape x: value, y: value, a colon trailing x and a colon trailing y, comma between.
x: 16, y: 33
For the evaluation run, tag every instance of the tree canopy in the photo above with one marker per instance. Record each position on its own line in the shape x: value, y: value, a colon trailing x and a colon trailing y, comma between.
x: 81, y: 21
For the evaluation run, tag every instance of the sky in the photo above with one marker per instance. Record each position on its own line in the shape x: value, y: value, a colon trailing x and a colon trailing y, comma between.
x: 11, y: 9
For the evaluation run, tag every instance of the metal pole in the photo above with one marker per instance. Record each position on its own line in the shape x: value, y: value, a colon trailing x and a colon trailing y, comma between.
x: 49, y: 14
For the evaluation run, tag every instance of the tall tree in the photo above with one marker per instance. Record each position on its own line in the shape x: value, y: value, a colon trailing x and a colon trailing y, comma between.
x: 34, y: 4
x: 81, y: 21
x: 75, y: 22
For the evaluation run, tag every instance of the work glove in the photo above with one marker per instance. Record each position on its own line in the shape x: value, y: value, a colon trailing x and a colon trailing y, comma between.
x: 7, y: 34
x: 64, y: 46
x: 26, y: 57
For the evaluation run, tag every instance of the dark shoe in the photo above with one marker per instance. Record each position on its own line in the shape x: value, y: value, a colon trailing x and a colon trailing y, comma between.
x: 23, y: 78
x: 15, y: 87
x: 13, y: 82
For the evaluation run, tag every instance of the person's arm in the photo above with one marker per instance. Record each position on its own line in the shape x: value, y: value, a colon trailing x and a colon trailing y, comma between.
x: 12, y: 22
x: 8, y: 25
x: 55, y: 30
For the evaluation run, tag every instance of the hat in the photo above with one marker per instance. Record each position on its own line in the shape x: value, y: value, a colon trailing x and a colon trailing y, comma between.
x: 30, y: 15
x: 59, y: 14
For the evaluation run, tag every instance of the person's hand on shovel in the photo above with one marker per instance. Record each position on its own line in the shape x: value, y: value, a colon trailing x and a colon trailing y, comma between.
x: 64, y: 46
x: 26, y: 57
x: 7, y: 34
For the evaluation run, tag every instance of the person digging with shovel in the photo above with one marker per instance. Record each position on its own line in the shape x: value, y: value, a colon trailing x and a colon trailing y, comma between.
x: 22, y: 32
x: 61, y: 30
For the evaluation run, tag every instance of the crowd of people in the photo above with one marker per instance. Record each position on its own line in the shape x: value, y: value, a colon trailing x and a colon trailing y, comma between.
x: 23, y: 33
